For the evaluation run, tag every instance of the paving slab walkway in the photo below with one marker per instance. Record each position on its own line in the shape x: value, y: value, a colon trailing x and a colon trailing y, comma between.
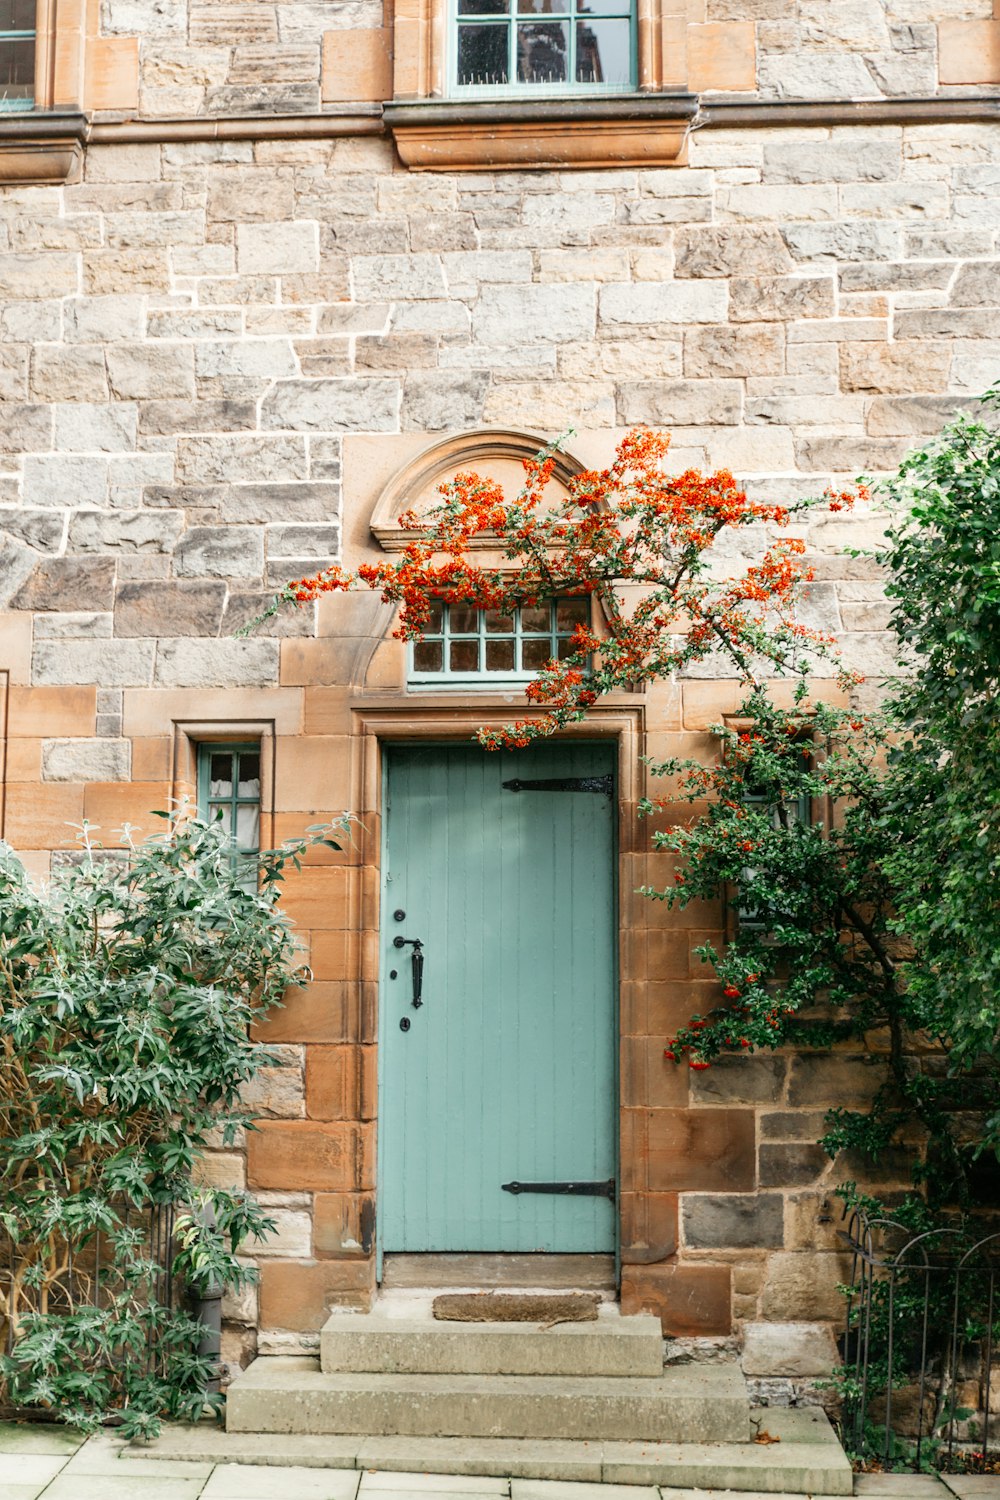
x: 39, y: 1462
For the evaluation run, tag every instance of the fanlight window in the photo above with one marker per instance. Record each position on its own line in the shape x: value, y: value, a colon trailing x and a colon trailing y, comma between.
x: 462, y: 644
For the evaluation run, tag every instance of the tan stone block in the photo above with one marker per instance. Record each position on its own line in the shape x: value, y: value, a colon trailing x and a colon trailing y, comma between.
x: 40, y: 817
x: 337, y: 1156
x: 721, y: 55
x: 112, y: 73
x: 24, y: 760
x: 969, y: 51
x: 324, y: 1012
x: 901, y: 367
x: 327, y: 710
x: 648, y: 1079
x: 110, y: 804
x: 334, y: 955
x: 343, y: 1225
x: 659, y: 1009
x: 51, y: 712
x: 671, y: 1150
x: 299, y: 1295
x: 221, y: 1169
x: 312, y: 771
x: 340, y: 1083
x: 802, y: 1286
x: 649, y: 1227
x: 689, y: 1300
x: 317, y: 897
x: 357, y: 65
x: 152, y: 759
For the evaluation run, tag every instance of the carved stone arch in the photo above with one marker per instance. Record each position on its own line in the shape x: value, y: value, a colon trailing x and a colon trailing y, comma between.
x: 496, y: 452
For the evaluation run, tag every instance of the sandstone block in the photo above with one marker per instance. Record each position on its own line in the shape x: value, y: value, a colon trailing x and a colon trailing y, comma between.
x: 220, y: 552
x: 277, y: 248
x: 275, y: 1093
x: 343, y: 1225
x: 744, y: 349
x: 35, y: 277
x: 684, y: 403
x: 297, y: 1294
x: 969, y: 51
x: 303, y: 541
x: 435, y: 399
x: 411, y: 277
x: 151, y: 370
x: 68, y: 583
x: 890, y: 368
x: 334, y: 405
x: 661, y: 302
x: 791, y: 1165
x: 848, y: 455
x: 41, y: 529
x: 223, y: 458
x: 125, y: 531
x: 977, y: 284
x: 25, y: 427
x: 340, y: 1083
x: 68, y: 372
x: 896, y: 200
x: 840, y: 160
x: 736, y: 251
x: 369, y: 318
x: 198, y: 663
x: 533, y: 314
x: 834, y: 1079
x: 86, y: 760
x: 690, y: 1300
x: 154, y: 609
x: 677, y: 1150
x: 296, y: 503
x: 912, y: 416
x: 111, y: 663
x: 780, y: 298
x: 816, y: 75
x: 109, y: 429
x: 733, y: 1221
x: 291, y: 1235
x: 789, y: 1349
x: 104, y: 320
x: 844, y: 241
x: 741, y: 1080
x: 335, y: 1156
x: 800, y: 1286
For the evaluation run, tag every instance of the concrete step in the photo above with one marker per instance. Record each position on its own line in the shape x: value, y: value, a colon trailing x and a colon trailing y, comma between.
x: 694, y: 1404
x: 807, y: 1461
x: 392, y: 1345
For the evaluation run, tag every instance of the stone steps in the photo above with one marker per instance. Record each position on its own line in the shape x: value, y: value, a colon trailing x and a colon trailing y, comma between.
x: 808, y: 1460
x: 610, y: 1346
x: 690, y: 1404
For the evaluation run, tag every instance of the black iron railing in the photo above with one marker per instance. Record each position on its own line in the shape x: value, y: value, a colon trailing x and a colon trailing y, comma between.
x: 921, y: 1357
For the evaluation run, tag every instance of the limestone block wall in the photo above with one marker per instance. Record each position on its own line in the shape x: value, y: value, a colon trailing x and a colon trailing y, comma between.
x: 215, y: 354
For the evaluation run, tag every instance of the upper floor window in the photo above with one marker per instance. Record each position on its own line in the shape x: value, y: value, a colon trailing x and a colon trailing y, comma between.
x: 17, y: 54
x: 462, y: 644
x: 555, y: 46
x: 229, y: 790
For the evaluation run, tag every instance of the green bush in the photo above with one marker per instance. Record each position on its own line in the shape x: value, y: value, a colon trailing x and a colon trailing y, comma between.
x: 127, y: 992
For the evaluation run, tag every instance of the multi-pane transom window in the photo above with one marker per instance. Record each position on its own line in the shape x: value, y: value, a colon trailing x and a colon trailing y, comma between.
x: 481, y: 645
x: 562, y: 45
x: 17, y: 54
x: 229, y: 789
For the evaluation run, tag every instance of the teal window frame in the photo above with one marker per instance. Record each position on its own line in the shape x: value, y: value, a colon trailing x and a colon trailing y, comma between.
x: 25, y: 102
x: 572, y: 14
x: 210, y: 806
x: 422, y: 677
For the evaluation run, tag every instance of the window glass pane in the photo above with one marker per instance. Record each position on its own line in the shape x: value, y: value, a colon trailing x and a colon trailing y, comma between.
x: 435, y: 623
x: 544, y: 7
x: 565, y: 648
x: 535, y: 654
x: 482, y: 53
x: 570, y: 613
x: 220, y: 812
x: 428, y: 656
x: 248, y: 826
x: 462, y: 620
x: 220, y: 775
x: 537, y: 618
x: 498, y: 624
x: 483, y: 7
x: 603, y: 52
x: 500, y: 656
x: 17, y: 69
x: 17, y: 15
x: 464, y: 656
x: 249, y: 778
x: 543, y: 52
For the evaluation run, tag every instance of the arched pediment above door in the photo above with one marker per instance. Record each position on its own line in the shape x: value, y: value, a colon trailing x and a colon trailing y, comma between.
x: 497, y: 454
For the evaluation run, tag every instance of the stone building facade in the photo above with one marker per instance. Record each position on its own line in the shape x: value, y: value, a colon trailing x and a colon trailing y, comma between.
x: 265, y: 275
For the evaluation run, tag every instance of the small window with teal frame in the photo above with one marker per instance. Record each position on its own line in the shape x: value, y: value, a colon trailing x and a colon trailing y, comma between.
x: 17, y: 54
x: 522, y: 47
x: 462, y: 644
x: 229, y: 789
x: 794, y: 812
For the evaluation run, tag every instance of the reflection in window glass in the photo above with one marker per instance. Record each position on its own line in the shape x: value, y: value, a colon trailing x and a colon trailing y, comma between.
x: 482, y: 54
x: 468, y: 644
x: 17, y: 54
x: 580, y: 44
x: 603, y: 51
x: 543, y: 52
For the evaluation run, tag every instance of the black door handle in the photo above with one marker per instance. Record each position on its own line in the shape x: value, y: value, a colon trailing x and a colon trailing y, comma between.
x: 417, y: 966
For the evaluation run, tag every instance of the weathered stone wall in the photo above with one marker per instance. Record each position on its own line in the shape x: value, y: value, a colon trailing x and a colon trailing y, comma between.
x: 213, y: 356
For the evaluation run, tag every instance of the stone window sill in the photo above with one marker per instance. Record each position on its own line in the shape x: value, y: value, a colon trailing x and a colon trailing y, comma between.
x: 632, y: 131
x: 43, y: 147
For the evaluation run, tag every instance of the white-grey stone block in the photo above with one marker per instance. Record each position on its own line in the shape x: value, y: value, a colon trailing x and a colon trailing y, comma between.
x: 84, y: 428
x: 221, y: 552
x: 788, y: 1349
x: 151, y: 370
x: 533, y: 314
x: 413, y: 277
x: 664, y: 302
x: 62, y: 479
x: 108, y: 663
x: 86, y: 760
x: 223, y: 663
x: 277, y: 249
x: 339, y: 404
x: 125, y: 531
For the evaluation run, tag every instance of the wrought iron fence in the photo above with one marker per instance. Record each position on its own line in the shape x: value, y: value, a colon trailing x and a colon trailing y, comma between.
x: 921, y: 1353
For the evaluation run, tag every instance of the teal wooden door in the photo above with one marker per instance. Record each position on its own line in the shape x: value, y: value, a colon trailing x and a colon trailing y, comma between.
x: 507, y: 1070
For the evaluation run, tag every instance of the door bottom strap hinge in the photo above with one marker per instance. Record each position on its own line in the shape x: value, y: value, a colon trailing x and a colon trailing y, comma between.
x: 565, y: 1189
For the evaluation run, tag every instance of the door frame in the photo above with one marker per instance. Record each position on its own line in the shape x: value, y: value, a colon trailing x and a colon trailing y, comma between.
x: 378, y: 726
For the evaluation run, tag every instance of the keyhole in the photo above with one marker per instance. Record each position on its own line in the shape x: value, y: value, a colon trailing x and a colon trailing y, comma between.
x: 404, y: 1024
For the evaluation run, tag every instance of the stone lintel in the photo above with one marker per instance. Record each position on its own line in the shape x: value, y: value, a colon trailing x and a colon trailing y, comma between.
x: 41, y: 148
x: 481, y: 137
